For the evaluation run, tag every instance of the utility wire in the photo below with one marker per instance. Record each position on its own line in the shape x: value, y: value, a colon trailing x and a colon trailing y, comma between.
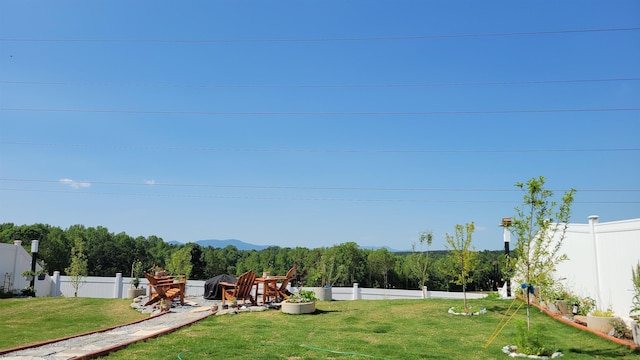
x: 306, y: 113
x: 341, y: 188
x: 399, y: 85
x: 201, y: 196
x: 258, y: 150
x: 326, y: 39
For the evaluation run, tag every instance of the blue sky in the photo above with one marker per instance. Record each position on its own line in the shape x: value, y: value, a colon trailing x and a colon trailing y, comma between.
x: 313, y: 123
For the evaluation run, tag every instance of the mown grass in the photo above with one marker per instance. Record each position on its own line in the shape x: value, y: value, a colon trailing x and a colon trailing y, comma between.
x: 29, y: 320
x: 381, y: 329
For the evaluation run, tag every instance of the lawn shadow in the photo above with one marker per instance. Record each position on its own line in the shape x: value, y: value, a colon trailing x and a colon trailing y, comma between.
x: 322, y: 312
x: 613, y: 353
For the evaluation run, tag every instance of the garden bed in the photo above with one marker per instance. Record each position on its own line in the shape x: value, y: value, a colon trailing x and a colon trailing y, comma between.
x: 581, y: 326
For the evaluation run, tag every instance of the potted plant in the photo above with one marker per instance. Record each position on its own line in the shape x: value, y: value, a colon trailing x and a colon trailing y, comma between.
x: 302, y: 302
x: 165, y: 305
x: 42, y: 274
x: 136, y: 272
x: 600, y: 320
x: 233, y: 302
x: 28, y: 275
x: 327, y: 276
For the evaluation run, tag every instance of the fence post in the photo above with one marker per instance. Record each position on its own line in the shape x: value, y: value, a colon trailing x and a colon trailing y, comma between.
x: 356, y: 292
x: 117, y: 289
x: 55, y: 288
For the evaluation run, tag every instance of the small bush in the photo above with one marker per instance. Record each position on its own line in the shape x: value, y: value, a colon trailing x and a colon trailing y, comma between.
x: 620, y: 329
x: 604, y: 313
x: 533, y: 341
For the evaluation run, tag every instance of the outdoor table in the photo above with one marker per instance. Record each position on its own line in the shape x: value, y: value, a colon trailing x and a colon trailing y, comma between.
x: 267, y: 283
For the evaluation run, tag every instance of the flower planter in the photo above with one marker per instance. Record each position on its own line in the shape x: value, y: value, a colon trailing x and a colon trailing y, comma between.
x: 600, y: 323
x: 323, y: 293
x: 635, y: 330
x: 134, y: 292
x: 298, y: 308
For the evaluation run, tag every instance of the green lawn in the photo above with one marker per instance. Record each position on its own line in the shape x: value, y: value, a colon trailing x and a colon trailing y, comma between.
x: 29, y: 320
x: 380, y: 329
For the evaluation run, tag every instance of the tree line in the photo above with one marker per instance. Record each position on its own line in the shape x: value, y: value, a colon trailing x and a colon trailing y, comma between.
x: 339, y: 265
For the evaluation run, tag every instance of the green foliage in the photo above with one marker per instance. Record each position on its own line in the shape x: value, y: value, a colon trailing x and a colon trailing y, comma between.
x: 180, y: 262
x: 540, y: 230
x: 603, y: 313
x: 532, y: 341
x: 418, y: 261
x: 620, y: 329
x: 339, y: 265
x: 382, y: 261
x: 462, y: 256
x: 77, y: 271
x: 585, y: 304
x: 136, y: 273
x: 635, y: 307
x: 303, y: 296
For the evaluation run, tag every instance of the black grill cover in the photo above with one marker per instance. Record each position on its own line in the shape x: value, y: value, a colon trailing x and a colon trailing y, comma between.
x: 212, y: 289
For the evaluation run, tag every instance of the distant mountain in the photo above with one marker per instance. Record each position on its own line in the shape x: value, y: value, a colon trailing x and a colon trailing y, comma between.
x: 380, y: 247
x: 240, y: 245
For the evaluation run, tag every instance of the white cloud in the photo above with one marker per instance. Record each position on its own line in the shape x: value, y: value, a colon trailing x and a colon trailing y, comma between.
x: 75, y: 184
x: 149, y: 182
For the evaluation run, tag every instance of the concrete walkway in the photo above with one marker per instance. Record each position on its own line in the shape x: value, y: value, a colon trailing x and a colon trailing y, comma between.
x: 102, y: 342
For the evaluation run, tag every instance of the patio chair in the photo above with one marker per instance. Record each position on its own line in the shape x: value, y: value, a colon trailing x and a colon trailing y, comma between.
x: 281, y: 291
x: 164, y: 289
x: 240, y: 290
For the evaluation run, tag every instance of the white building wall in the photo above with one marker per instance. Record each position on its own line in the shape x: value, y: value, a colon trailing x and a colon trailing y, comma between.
x: 14, y: 260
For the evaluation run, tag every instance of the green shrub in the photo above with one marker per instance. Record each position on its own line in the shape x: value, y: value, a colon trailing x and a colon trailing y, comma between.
x: 603, y: 313
x: 620, y: 329
x: 532, y: 341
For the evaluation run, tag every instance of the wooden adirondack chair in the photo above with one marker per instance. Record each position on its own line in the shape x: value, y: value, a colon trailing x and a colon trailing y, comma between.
x: 164, y: 289
x: 281, y: 292
x: 241, y: 290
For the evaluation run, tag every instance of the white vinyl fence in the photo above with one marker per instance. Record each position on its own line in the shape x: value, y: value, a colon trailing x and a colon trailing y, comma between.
x: 116, y: 287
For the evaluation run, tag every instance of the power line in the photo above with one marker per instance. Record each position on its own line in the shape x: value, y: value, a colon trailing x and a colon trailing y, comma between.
x: 327, y: 39
x: 288, y: 187
x: 201, y: 196
x: 308, y: 113
x: 480, y: 83
x: 258, y: 150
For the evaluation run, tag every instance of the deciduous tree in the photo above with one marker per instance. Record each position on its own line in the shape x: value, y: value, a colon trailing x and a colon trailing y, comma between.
x: 462, y: 256
x: 540, y: 230
x: 77, y: 271
x: 419, y: 259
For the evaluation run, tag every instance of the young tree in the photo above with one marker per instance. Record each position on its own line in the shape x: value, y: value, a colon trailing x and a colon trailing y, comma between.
x: 419, y: 259
x: 78, y: 269
x: 462, y: 256
x: 540, y: 231
x: 180, y: 262
x: 381, y: 261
